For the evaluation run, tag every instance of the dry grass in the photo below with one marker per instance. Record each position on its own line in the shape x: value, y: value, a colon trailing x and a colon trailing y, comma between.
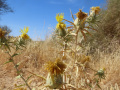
x: 38, y: 53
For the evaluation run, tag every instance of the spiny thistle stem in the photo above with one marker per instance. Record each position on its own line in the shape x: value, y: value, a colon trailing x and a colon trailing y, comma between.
x: 76, y: 44
x: 64, y: 48
x: 18, y: 71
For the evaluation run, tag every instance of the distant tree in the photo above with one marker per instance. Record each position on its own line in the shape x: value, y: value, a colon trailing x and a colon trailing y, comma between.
x: 7, y: 29
x: 4, y: 7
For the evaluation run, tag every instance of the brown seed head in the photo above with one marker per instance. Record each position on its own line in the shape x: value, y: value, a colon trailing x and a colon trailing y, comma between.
x: 2, y: 33
x: 81, y: 15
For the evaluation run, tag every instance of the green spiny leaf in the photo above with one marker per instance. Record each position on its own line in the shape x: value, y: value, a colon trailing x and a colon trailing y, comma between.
x: 8, y: 61
x: 15, y: 54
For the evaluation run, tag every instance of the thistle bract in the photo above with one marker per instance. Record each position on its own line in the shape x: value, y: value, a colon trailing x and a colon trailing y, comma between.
x: 55, y: 79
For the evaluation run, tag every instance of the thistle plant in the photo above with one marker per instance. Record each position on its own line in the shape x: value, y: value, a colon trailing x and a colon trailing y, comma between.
x: 17, y: 44
x: 83, y: 24
x: 101, y: 74
x: 24, y: 33
x: 69, y: 37
x: 61, y: 32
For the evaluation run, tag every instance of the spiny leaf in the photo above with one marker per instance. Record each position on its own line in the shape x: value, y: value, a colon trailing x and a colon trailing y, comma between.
x: 15, y: 54
x: 8, y: 47
x: 20, y: 85
x: 8, y: 61
x: 72, y: 15
x: 98, y: 86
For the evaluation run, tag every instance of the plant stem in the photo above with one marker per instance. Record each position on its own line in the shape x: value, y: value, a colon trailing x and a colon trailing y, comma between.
x: 21, y: 75
x: 18, y: 71
x: 76, y: 44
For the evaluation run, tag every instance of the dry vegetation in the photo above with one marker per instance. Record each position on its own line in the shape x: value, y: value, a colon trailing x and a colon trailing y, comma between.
x: 103, y: 48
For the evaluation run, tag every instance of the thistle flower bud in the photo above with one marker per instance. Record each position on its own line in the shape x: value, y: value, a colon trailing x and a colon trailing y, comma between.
x: 55, y: 79
x: 80, y: 20
x: 93, y: 12
x: 80, y: 24
x: 95, y: 9
x: 61, y: 25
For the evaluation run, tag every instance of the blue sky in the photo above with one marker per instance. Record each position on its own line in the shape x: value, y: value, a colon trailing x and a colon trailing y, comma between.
x: 39, y: 15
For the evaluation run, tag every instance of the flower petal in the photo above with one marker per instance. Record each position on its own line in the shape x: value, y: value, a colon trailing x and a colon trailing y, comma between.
x: 27, y: 29
x: 60, y: 17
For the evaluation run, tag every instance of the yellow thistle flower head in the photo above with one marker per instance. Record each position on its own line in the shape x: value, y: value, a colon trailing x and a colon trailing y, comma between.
x: 2, y: 33
x: 24, y: 33
x: 61, y: 25
x: 60, y: 17
x: 25, y: 36
x: 95, y: 9
x: 57, y: 67
x: 81, y: 15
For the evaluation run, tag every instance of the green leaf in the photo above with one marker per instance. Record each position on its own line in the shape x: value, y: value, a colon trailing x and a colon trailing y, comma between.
x: 8, y: 47
x: 15, y: 54
x: 98, y: 86
x: 18, y: 72
x: 8, y: 61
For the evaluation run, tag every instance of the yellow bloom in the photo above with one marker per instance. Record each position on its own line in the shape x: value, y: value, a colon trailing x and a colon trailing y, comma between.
x: 96, y: 9
x: 2, y: 33
x: 57, y: 67
x: 24, y: 33
x: 81, y: 15
x: 61, y: 25
x: 60, y: 17
x: 25, y: 36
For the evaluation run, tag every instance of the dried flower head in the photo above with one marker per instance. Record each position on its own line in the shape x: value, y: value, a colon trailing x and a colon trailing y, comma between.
x: 24, y: 33
x: 57, y: 67
x: 96, y: 9
x: 2, y: 33
x: 84, y: 59
x: 60, y: 17
x: 81, y: 15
